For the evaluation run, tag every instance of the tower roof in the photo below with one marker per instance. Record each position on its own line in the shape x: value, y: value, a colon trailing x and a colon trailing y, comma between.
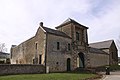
x: 69, y: 20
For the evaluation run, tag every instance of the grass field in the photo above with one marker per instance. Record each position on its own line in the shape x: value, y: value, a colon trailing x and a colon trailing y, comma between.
x: 51, y: 76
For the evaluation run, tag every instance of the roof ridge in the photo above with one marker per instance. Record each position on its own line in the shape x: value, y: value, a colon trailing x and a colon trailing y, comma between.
x: 56, y: 32
x: 101, y: 41
x: 48, y: 28
x: 69, y: 20
x: 102, y: 44
x: 53, y: 29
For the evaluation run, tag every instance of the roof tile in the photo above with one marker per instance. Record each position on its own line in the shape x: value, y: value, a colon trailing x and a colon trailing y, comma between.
x: 55, y: 32
x: 101, y: 45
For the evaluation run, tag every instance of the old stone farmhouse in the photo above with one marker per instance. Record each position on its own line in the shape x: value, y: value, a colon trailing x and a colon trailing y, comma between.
x: 64, y: 49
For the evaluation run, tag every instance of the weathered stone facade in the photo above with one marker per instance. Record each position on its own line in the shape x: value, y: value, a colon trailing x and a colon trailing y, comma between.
x: 57, y: 59
x: 28, y: 51
x: 79, y: 46
x: 97, y: 58
x: 113, y: 52
x: 63, y: 49
x: 110, y: 48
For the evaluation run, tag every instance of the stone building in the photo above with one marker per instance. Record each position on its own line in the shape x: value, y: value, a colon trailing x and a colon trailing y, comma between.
x: 63, y: 49
x: 118, y: 60
x: 4, y: 58
x: 110, y: 48
x: 97, y: 58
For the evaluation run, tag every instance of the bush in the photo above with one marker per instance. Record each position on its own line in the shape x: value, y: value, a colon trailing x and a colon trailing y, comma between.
x: 114, y: 67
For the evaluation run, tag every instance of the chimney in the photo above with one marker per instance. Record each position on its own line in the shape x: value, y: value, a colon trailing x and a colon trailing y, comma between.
x: 13, y: 46
x: 41, y: 24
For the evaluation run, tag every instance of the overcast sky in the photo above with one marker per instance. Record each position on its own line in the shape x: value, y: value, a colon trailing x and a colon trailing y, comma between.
x: 19, y: 19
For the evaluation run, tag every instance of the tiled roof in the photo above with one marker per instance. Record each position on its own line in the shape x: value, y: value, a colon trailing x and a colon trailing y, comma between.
x: 69, y: 20
x: 95, y: 50
x: 101, y: 45
x: 55, y: 32
x: 4, y: 53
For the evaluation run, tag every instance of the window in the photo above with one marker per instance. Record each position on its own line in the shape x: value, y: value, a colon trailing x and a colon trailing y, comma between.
x: 36, y: 45
x: 82, y: 35
x: 58, y: 45
x: 69, y: 46
x: 40, y: 59
x: 16, y: 61
x: 57, y: 62
x: 33, y: 61
x: 77, y: 36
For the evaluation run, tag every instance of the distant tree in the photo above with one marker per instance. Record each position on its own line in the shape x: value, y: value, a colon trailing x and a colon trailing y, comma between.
x: 3, y: 47
x: 118, y: 43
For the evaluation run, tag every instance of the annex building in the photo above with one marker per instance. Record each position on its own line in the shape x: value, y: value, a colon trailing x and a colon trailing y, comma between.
x: 4, y: 58
x: 64, y: 48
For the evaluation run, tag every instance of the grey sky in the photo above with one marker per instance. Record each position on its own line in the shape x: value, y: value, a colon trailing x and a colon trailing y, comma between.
x: 19, y: 19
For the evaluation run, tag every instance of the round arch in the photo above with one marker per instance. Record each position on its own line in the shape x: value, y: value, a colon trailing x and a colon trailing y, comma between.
x: 68, y: 64
x: 81, y: 60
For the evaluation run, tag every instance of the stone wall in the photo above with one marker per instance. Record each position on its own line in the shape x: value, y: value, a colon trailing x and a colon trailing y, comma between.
x: 6, y: 69
x: 24, y: 52
x: 30, y: 50
x: 97, y: 59
x: 113, y: 54
x: 67, y: 29
x: 57, y: 59
x: 77, y: 45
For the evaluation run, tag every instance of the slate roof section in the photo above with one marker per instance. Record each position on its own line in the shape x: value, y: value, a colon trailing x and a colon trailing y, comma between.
x: 102, y: 45
x: 55, y: 32
x: 69, y: 20
x: 4, y: 55
x: 97, y: 51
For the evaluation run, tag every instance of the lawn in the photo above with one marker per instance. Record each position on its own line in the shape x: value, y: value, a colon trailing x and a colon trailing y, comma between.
x: 51, y: 76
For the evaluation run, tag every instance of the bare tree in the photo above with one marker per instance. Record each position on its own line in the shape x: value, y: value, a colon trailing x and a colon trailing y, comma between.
x: 118, y: 43
x: 3, y: 47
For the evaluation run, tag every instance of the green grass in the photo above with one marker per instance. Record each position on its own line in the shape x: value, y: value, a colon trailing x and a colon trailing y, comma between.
x: 51, y: 76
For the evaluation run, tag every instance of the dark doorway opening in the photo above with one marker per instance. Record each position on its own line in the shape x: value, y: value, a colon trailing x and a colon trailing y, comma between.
x: 81, y: 60
x: 68, y: 64
x: 40, y: 59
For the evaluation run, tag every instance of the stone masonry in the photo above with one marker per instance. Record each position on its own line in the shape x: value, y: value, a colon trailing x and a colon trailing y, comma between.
x: 63, y: 49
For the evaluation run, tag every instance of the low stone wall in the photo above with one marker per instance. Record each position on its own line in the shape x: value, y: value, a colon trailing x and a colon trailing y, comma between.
x: 6, y: 69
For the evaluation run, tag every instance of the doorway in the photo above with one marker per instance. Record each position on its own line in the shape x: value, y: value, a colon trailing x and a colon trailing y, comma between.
x: 68, y: 64
x: 40, y: 59
x: 81, y: 60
